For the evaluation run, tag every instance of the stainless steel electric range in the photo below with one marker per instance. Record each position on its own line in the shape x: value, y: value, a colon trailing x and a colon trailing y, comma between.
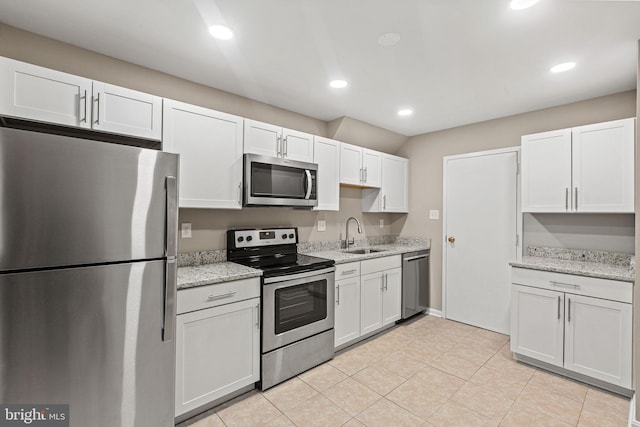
x: 297, y: 301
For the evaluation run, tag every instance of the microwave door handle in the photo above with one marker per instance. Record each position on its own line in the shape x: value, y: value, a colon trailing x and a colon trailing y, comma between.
x: 306, y: 171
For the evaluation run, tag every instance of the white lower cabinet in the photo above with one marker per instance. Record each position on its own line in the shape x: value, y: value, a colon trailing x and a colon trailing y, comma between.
x: 580, y: 324
x: 217, y: 348
x: 347, y: 311
x: 368, y: 297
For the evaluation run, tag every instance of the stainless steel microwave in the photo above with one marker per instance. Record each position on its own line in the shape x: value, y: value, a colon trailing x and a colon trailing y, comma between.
x: 272, y: 181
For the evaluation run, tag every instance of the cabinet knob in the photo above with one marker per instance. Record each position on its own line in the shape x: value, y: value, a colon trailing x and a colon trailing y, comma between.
x: 451, y: 239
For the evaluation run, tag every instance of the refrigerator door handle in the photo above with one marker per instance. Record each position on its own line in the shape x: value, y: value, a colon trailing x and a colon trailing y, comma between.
x: 170, y: 291
x: 171, y: 269
x: 172, y: 217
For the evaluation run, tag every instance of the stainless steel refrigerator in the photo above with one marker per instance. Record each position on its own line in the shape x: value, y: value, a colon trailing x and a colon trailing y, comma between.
x: 88, y: 278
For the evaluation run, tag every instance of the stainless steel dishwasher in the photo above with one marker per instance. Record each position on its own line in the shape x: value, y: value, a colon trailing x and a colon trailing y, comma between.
x: 415, y: 283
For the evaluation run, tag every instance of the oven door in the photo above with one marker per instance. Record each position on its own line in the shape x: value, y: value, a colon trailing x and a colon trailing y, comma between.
x: 297, y: 306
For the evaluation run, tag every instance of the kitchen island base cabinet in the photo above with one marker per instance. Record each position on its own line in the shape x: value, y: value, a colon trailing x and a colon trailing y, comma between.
x: 217, y: 348
x: 579, y: 324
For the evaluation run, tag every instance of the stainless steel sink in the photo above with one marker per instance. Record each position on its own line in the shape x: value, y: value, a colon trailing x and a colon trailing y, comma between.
x: 363, y: 251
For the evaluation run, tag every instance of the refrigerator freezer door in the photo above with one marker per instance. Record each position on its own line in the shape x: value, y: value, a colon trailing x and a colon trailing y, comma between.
x: 68, y: 201
x: 90, y: 337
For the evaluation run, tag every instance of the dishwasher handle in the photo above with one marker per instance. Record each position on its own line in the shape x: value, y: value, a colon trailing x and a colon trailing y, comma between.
x: 413, y: 258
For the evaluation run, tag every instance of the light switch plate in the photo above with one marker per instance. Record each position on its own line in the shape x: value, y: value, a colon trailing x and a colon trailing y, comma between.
x: 185, y: 230
x: 322, y: 225
x: 434, y: 214
x: 381, y: 222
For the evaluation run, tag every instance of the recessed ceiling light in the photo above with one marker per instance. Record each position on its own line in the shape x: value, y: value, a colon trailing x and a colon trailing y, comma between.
x: 338, y: 84
x: 220, y: 32
x: 522, y: 4
x: 405, y: 112
x: 388, y: 39
x: 565, y: 66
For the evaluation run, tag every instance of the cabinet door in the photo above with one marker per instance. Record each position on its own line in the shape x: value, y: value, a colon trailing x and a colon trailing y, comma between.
x: 40, y: 94
x: 372, y: 168
x: 598, y: 339
x: 392, y: 296
x: 347, y: 312
x: 125, y: 111
x: 297, y: 145
x: 262, y: 138
x: 370, y: 303
x: 210, y: 146
x: 537, y: 323
x: 395, y: 188
x: 326, y: 153
x: 546, y: 172
x: 350, y: 164
x: 217, y: 353
x: 603, y: 161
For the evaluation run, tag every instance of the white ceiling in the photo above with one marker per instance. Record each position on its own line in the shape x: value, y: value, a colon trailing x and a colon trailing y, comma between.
x: 458, y: 61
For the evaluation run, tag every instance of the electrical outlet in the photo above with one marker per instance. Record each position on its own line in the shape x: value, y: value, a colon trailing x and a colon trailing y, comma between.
x: 185, y: 230
x: 322, y: 225
x: 434, y: 214
x: 381, y: 222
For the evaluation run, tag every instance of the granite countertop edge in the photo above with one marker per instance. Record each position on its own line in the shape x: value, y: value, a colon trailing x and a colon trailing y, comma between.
x: 220, y: 272
x: 387, y: 250
x: 579, y: 268
x: 210, y: 274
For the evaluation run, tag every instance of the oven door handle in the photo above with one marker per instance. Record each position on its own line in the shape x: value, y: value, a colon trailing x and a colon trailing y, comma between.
x: 289, y: 277
x: 309, y: 184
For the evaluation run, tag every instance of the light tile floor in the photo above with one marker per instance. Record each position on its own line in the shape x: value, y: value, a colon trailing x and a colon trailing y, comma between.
x: 429, y: 372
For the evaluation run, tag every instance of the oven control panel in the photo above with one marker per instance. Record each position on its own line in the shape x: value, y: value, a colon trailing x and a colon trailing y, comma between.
x: 262, y: 237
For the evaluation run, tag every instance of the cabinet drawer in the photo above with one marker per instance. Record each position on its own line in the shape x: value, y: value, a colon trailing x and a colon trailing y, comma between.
x: 614, y: 290
x: 380, y: 264
x: 348, y: 270
x: 217, y: 294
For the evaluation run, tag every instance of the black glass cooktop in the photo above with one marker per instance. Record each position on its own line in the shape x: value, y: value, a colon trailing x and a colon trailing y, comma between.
x: 279, y: 265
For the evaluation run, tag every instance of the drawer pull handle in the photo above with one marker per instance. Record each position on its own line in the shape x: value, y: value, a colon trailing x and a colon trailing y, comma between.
x: 564, y: 285
x: 221, y: 296
x: 353, y: 270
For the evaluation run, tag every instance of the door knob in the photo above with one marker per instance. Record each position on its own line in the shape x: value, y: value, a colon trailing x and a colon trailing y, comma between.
x: 451, y: 239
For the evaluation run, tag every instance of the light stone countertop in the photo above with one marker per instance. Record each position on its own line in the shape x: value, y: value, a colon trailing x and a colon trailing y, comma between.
x: 208, y: 274
x: 341, y: 257
x: 580, y: 268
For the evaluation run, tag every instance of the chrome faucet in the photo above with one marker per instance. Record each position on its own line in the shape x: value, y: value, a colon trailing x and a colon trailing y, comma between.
x: 352, y: 240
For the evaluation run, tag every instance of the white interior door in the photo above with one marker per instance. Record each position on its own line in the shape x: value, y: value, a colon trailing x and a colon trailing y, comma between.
x: 480, y: 230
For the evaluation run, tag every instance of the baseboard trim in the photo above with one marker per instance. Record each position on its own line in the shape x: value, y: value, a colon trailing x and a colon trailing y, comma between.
x: 632, y: 413
x: 434, y: 312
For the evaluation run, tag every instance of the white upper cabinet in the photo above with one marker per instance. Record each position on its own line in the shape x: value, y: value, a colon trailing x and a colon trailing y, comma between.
x: 394, y: 194
x: 210, y: 146
x: 546, y: 171
x: 350, y: 164
x: 40, y: 94
x: 584, y: 169
x: 326, y: 153
x: 603, y: 162
x: 125, y: 111
x: 274, y: 141
x: 360, y: 166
